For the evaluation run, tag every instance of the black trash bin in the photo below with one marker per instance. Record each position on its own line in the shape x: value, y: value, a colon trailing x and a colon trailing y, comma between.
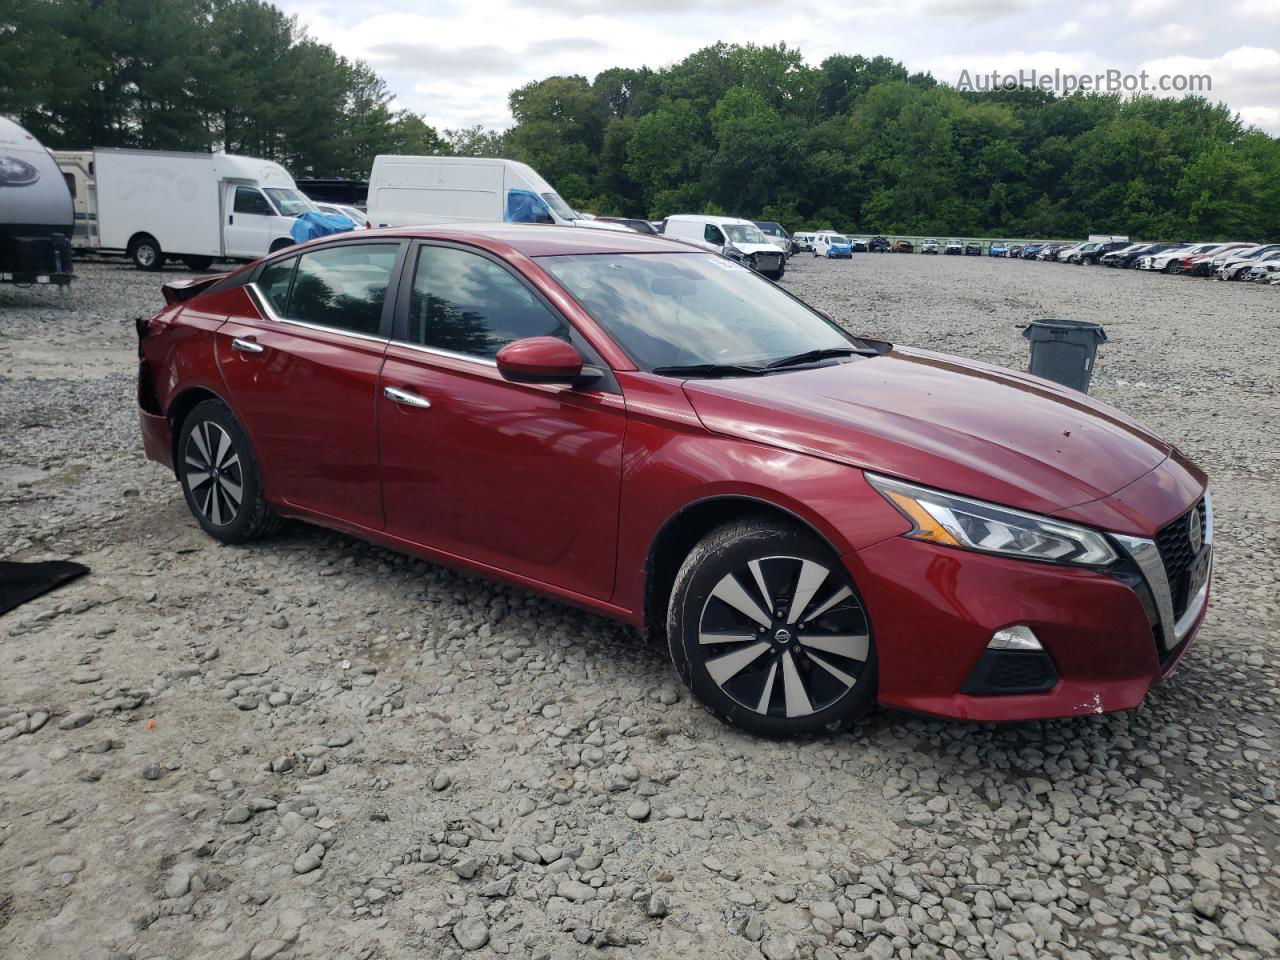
x: 1064, y: 350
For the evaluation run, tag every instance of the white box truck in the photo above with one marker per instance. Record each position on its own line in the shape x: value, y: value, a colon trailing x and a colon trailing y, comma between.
x: 155, y: 205
x: 409, y: 191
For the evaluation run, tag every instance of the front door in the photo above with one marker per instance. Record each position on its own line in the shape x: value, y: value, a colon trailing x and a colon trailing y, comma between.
x: 303, y: 376
x: 518, y: 477
x: 247, y: 231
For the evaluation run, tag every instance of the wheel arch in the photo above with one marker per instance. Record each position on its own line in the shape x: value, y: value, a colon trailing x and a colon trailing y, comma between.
x: 180, y: 407
x: 677, y: 536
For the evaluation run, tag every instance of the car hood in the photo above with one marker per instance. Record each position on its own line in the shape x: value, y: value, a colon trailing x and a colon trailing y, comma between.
x: 943, y: 421
x: 755, y: 247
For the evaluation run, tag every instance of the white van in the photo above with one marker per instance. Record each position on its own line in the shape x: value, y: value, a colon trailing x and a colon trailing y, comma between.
x: 413, y: 191
x: 155, y: 205
x: 737, y: 239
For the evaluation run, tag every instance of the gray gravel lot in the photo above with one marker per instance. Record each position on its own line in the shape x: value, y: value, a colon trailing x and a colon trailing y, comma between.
x: 310, y: 747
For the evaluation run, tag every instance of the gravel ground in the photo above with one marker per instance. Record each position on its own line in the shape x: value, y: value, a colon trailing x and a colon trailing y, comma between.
x: 314, y: 748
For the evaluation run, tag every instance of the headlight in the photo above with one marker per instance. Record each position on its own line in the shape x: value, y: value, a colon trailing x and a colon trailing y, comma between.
x: 953, y: 521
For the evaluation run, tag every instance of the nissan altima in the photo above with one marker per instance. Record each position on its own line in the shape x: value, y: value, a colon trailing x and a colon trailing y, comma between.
x: 815, y: 522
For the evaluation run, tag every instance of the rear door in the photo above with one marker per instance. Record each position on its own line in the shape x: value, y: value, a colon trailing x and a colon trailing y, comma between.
x: 303, y: 374
x: 520, y: 477
x: 248, y: 228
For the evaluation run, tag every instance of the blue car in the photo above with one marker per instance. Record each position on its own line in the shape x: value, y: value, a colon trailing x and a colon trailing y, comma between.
x: 998, y: 249
x: 1030, y: 250
x: 832, y: 245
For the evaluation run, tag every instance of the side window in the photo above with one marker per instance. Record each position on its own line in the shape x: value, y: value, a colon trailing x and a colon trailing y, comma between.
x: 468, y: 304
x: 274, y: 282
x: 343, y: 287
x: 250, y: 200
x: 711, y: 233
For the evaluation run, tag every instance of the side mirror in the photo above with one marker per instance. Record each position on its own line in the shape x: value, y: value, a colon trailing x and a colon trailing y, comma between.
x: 544, y: 360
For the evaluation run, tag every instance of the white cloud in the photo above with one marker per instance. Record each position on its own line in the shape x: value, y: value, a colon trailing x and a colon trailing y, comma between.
x: 1147, y: 9
x: 455, y: 61
x: 1170, y: 35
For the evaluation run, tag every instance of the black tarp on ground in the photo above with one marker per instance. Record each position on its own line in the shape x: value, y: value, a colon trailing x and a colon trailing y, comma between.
x: 20, y: 582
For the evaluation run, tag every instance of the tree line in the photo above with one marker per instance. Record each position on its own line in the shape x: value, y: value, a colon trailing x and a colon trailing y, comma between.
x: 854, y: 143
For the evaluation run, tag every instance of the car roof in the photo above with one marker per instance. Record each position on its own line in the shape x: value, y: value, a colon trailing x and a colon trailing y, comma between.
x: 538, y: 240
x: 710, y: 218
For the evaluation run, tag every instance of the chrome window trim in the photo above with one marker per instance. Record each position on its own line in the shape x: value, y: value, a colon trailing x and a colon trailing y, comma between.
x: 263, y: 303
x: 1146, y: 555
x: 450, y: 354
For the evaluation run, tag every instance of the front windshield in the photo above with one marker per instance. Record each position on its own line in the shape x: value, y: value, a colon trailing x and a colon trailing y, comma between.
x: 772, y: 229
x: 681, y: 309
x: 836, y: 238
x: 290, y: 203
x: 562, y: 209
x: 745, y: 233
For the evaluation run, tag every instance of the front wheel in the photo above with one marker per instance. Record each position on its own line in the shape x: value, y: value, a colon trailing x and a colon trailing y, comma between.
x: 767, y: 629
x: 220, y: 476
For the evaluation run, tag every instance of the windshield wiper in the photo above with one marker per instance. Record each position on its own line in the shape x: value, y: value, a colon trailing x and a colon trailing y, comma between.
x: 811, y: 356
x: 711, y: 370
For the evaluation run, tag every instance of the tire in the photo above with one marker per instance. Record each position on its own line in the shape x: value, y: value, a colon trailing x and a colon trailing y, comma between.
x: 280, y: 243
x: 198, y: 264
x: 808, y: 675
x: 146, y: 254
x: 211, y: 433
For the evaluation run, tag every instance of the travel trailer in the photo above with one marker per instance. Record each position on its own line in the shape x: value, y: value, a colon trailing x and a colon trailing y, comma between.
x: 35, y: 211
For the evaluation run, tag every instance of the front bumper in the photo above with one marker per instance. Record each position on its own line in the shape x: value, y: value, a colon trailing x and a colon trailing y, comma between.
x: 1109, y: 638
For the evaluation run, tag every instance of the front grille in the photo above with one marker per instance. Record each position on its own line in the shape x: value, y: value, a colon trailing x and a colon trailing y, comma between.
x: 1174, y: 544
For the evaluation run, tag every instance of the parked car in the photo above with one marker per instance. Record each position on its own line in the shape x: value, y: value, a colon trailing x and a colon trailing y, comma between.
x: 998, y: 248
x: 737, y: 239
x: 1015, y: 251
x: 972, y: 248
x: 1051, y: 251
x: 1091, y: 257
x: 1161, y: 261
x: 543, y: 405
x: 857, y: 245
x: 954, y: 248
x: 1030, y: 250
x: 1198, y: 263
x: 777, y: 235
x: 903, y: 246
x: 930, y: 246
x: 37, y: 215
x: 802, y: 241
x: 1265, y: 272
x: 631, y: 223
x: 353, y: 214
x: 878, y: 245
x: 1235, y: 267
x: 832, y: 246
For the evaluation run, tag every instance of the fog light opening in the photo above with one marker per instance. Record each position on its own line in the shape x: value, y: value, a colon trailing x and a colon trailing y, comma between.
x: 1017, y: 637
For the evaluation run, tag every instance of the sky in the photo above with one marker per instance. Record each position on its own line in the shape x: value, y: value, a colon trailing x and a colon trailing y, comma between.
x: 455, y: 62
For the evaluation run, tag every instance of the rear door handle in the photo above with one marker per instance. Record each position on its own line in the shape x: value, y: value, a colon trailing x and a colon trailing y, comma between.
x: 406, y: 398
x: 247, y: 346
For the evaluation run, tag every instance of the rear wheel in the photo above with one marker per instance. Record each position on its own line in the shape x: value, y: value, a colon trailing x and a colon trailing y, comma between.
x: 220, y: 477
x: 145, y: 253
x: 767, y: 629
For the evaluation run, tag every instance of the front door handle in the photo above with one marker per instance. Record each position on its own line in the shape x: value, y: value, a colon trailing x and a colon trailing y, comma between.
x: 247, y: 346
x: 406, y: 397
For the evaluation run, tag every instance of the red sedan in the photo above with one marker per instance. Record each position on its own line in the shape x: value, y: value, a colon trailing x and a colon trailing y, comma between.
x: 817, y: 522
